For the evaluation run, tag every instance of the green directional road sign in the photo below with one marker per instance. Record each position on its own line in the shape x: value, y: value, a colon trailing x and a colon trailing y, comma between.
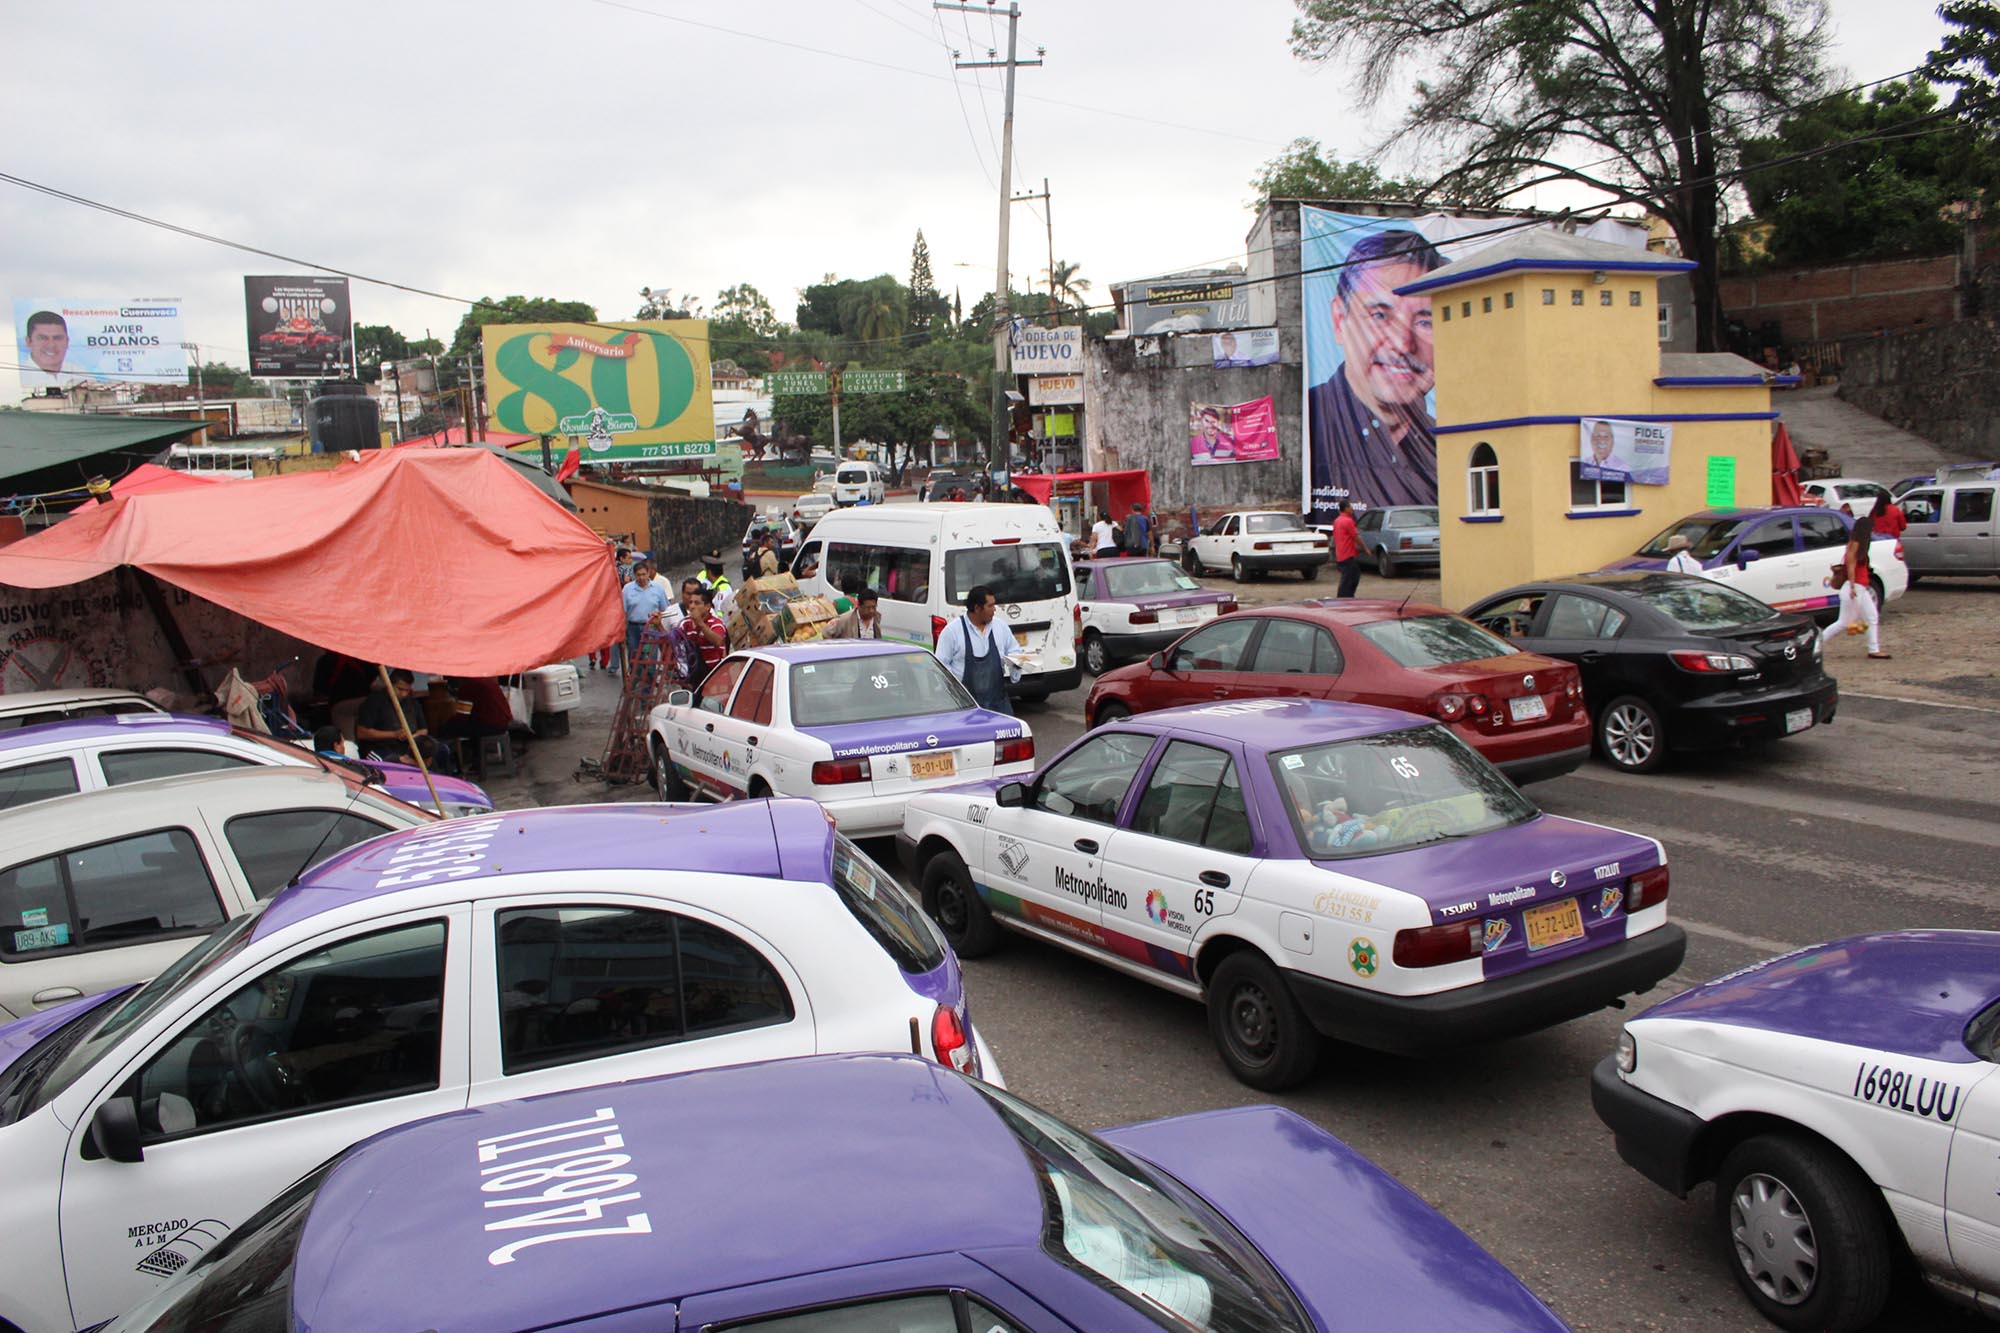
x: 796, y: 381
x: 872, y: 381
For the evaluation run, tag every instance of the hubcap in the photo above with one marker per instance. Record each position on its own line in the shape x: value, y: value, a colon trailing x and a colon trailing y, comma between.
x: 1628, y: 734
x: 1093, y: 651
x: 1252, y: 1024
x: 1773, y: 1238
x: 951, y: 906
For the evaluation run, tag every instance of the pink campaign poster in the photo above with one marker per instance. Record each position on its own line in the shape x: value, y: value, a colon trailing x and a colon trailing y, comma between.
x: 1232, y: 433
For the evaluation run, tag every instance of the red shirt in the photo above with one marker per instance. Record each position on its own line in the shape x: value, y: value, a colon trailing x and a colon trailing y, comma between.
x: 711, y: 653
x: 489, y: 702
x: 1346, y: 538
x: 1890, y: 519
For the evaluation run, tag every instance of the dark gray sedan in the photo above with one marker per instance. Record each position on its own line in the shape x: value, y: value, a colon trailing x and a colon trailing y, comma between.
x: 1399, y: 537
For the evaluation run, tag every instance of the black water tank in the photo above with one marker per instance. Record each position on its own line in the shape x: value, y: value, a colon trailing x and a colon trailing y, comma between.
x: 343, y: 418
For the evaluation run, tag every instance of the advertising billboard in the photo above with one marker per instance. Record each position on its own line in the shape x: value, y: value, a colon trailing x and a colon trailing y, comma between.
x: 1232, y: 432
x: 300, y: 327
x: 1187, y: 304
x: 1043, y: 351
x: 1640, y: 452
x: 1048, y: 390
x: 629, y: 391
x: 1370, y: 406
x: 60, y: 343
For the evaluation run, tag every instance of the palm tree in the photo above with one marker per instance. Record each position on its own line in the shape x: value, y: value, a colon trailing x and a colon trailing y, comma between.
x: 1066, y: 287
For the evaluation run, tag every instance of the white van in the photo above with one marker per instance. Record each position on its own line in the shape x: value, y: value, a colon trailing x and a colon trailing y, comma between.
x: 922, y: 559
x: 854, y: 483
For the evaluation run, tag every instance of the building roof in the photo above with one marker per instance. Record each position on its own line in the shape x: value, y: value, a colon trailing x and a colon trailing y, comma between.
x: 1715, y: 369
x: 1541, y: 250
x: 51, y: 451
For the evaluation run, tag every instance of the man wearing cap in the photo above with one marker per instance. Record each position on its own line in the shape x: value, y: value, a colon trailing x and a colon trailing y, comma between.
x: 716, y: 583
x: 1680, y: 560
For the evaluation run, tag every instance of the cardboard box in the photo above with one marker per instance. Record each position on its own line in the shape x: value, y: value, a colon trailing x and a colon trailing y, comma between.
x: 774, y: 610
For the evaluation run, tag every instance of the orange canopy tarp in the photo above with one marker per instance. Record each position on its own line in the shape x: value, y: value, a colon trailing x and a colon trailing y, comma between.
x: 440, y: 560
x: 151, y: 478
x: 1127, y: 488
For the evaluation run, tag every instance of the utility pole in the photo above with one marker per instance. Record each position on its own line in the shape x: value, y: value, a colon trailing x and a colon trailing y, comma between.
x: 1048, y: 221
x: 1002, y: 314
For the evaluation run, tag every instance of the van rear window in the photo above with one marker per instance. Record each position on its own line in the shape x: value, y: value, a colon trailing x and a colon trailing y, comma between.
x: 1028, y: 572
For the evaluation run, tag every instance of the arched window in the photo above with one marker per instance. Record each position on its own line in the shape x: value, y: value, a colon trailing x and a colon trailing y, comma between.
x: 1482, y: 480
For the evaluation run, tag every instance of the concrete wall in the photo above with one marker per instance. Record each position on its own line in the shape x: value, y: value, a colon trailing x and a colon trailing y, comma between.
x: 1942, y: 383
x: 1842, y: 300
x: 683, y: 528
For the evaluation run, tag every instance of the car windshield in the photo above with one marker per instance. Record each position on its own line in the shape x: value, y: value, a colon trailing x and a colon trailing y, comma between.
x: 873, y: 687
x: 102, y: 1028
x: 1428, y: 641
x: 1412, y: 518
x: 1706, y: 537
x: 885, y: 909
x: 1701, y: 608
x: 292, y: 753
x: 1024, y: 572
x: 1274, y: 523
x: 1390, y: 792
x: 244, y: 1284
x: 1143, y: 1235
x: 1146, y: 578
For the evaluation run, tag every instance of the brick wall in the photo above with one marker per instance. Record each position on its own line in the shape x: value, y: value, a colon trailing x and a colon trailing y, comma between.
x: 1846, y: 300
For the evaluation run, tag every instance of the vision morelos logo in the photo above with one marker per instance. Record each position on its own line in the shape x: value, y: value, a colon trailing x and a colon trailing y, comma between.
x: 1090, y: 890
x: 1156, y: 906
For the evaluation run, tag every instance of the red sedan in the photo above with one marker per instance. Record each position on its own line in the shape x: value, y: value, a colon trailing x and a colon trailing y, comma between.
x: 1523, y: 712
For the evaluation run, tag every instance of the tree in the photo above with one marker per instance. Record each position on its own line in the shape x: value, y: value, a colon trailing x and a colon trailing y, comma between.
x: 1969, y: 59
x: 1512, y: 91
x: 1889, y: 196
x: 661, y: 305
x: 1068, y: 288
x: 926, y: 306
x: 745, y: 305
x: 225, y: 381
x: 516, y: 310
x: 1303, y: 171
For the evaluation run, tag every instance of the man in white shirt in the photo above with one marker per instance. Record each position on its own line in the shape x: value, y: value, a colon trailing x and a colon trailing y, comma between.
x: 975, y: 649
x: 1680, y: 560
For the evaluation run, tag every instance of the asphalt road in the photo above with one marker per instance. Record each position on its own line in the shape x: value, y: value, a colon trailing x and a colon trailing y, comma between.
x: 1884, y: 820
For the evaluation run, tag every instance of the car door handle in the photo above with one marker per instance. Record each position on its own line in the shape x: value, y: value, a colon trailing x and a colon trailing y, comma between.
x: 57, y: 994
x: 1221, y: 691
x: 708, y: 726
x: 1087, y: 845
x: 1591, y: 657
x: 1215, y: 879
x: 751, y: 741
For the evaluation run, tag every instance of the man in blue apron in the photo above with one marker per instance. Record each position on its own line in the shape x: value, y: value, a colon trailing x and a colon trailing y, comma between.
x: 974, y: 648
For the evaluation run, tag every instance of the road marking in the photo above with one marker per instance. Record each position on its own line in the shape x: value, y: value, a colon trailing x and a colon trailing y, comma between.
x: 1771, y: 947
x: 1920, y: 703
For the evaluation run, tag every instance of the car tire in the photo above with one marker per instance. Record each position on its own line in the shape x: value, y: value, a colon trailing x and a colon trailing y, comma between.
x: 955, y: 905
x: 1096, y: 656
x: 1881, y: 593
x: 1629, y: 735
x: 1915, y: 578
x: 1384, y: 565
x: 1311, y: 572
x: 1191, y: 563
x: 1236, y: 570
x: 1260, y: 1031
x: 1779, y: 1191
x: 666, y: 778
x: 1110, y: 712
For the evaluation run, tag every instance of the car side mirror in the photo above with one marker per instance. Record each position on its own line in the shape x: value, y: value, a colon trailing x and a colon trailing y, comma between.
x: 114, y: 1130
x: 1012, y: 794
x: 1743, y: 558
x: 1157, y: 662
x: 680, y: 698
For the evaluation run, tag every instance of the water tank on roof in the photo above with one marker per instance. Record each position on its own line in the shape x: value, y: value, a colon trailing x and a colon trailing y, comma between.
x: 343, y: 417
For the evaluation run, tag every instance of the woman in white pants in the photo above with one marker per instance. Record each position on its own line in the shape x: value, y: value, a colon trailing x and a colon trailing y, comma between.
x: 1857, y: 598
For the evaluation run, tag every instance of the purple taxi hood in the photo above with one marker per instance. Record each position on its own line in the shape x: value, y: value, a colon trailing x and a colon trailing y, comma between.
x: 1545, y: 858
x: 1910, y: 992
x: 1325, y: 1216
x: 18, y: 1037
x: 406, y: 783
x: 938, y: 731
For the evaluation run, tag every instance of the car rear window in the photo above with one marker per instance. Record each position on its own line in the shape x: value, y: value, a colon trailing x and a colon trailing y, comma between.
x: 873, y: 687
x: 1387, y: 793
x: 1274, y: 523
x: 888, y: 913
x: 1428, y: 641
x: 1701, y: 608
x: 1413, y: 518
x: 1146, y: 578
x: 1026, y: 572
x: 1706, y: 537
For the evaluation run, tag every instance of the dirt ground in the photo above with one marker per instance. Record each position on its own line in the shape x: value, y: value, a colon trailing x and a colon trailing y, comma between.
x: 1943, y: 636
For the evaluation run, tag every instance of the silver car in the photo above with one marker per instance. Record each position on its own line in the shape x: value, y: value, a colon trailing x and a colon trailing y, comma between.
x: 1398, y: 537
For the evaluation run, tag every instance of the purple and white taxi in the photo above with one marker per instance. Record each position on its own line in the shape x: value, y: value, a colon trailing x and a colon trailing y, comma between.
x: 857, y: 725
x: 1843, y: 1100
x: 456, y: 965
x: 1134, y: 606
x: 708, y: 1201
x: 90, y: 754
x: 1306, y: 868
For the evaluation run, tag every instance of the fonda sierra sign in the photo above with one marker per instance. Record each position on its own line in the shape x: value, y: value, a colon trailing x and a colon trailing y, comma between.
x: 636, y: 390
x: 1041, y: 351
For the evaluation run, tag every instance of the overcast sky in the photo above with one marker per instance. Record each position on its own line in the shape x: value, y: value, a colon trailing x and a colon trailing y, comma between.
x: 581, y: 149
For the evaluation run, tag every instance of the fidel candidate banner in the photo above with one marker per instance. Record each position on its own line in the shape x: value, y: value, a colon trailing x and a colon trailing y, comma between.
x: 1639, y: 452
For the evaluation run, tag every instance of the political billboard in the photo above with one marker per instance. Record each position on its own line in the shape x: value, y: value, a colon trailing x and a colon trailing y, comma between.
x: 300, y: 327
x: 1232, y: 432
x: 60, y: 343
x: 1640, y: 452
x: 1247, y: 347
x: 629, y: 391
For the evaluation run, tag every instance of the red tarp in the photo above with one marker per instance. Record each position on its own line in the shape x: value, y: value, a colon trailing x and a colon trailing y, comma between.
x: 151, y: 478
x: 1785, y: 469
x: 1128, y: 488
x: 439, y: 560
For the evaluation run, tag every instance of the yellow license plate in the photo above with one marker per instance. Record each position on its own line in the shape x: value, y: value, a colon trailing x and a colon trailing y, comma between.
x: 1552, y: 924
x: 946, y: 765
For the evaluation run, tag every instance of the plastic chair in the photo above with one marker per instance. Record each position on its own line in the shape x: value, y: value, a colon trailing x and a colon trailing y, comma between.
x: 496, y: 753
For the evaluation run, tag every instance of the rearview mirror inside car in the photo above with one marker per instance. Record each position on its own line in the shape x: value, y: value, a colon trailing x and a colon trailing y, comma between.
x: 1011, y: 794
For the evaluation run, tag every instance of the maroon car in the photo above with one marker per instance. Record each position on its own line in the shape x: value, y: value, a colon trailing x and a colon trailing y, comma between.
x: 1523, y: 712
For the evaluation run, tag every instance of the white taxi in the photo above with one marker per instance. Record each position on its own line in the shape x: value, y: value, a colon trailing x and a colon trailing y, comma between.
x: 1842, y: 1099
x: 857, y: 725
x: 1252, y: 542
x: 1133, y: 606
x: 457, y: 965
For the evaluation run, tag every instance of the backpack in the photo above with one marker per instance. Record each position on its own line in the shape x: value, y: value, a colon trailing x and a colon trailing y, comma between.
x: 1135, y: 535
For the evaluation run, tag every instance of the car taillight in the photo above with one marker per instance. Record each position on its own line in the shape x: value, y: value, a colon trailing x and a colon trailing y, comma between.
x: 937, y: 629
x: 1475, y: 704
x: 1021, y: 751
x: 1319, y: 542
x: 1573, y: 687
x: 1226, y: 608
x: 1076, y: 621
x: 1145, y: 617
x: 1646, y: 889
x: 835, y: 772
x: 1899, y: 548
x: 1450, y: 707
x: 949, y: 1042
x: 1432, y: 946
x: 1711, y: 662
x: 1260, y: 546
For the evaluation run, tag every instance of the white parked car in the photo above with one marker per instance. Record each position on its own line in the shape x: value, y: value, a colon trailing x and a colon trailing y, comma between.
x: 1847, y: 494
x: 859, y: 726
x: 1253, y: 542
x: 1842, y: 1099
x: 31, y: 708
x: 471, y: 962
x: 856, y: 482
x: 811, y: 507
x: 108, y: 888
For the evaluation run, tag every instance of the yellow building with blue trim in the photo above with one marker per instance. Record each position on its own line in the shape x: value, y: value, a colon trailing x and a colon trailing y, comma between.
x: 1534, y: 334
